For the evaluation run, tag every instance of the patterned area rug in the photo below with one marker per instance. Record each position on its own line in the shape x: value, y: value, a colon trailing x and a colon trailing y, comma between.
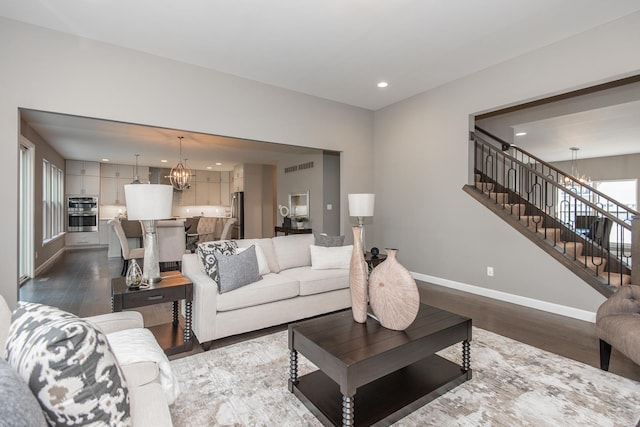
x: 513, y: 384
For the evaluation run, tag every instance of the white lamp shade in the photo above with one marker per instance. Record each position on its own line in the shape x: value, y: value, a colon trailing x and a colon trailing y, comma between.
x: 361, y: 204
x: 148, y: 201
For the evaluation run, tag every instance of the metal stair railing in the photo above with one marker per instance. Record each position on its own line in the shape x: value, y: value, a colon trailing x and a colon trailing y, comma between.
x: 556, y: 200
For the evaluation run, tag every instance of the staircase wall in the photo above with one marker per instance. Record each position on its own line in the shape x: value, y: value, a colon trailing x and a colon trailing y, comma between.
x: 421, y: 162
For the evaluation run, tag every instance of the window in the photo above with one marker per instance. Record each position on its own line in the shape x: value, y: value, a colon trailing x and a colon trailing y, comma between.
x: 52, y: 201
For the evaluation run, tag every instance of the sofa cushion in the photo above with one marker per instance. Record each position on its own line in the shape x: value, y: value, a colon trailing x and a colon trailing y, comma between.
x: 263, y: 264
x: 20, y: 407
x: 208, y: 261
x: 318, y: 281
x: 69, y: 366
x: 272, y: 287
x: 323, y: 258
x: 323, y: 239
x: 266, y: 244
x: 237, y: 270
x: 293, y: 251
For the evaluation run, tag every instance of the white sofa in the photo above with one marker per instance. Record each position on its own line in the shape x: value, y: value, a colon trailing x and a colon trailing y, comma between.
x: 148, y: 400
x: 291, y: 291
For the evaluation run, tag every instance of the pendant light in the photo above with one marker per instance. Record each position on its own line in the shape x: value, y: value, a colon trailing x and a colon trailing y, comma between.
x: 135, y: 172
x: 180, y: 175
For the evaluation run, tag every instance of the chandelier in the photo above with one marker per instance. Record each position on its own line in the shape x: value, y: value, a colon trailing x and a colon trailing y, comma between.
x: 582, y: 179
x: 180, y: 175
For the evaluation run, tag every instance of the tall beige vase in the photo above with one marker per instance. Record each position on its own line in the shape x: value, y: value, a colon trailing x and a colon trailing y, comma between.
x: 393, y: 293
x: 358, y: 279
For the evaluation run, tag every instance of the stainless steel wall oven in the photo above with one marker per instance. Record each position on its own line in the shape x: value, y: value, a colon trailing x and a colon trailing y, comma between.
x: 82, y: 214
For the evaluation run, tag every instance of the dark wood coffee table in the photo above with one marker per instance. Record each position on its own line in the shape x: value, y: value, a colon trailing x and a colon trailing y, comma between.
x: 172, y: 288
x: 370, y: 375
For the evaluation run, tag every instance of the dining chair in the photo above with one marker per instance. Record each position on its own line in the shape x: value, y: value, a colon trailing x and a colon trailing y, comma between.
x: 127, y: 252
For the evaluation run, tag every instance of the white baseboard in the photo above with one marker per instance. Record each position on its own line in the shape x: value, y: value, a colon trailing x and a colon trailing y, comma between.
x: 48, y: 262
x: 549, y: 307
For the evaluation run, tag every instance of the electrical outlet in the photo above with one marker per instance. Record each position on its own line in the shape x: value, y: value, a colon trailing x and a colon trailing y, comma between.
x: 490, y: 271
x: 329, y: 206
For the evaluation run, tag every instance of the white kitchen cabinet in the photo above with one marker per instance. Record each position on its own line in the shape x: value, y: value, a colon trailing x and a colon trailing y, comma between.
x: 225, y: 193
x: 207, y: 193
x: 103, y: 231
x: 113, y: 178
x: 81, y: 167
x: 112, y: 190
x: 82, y: 177
x: 82, y: 239
x: 109, y: 170
x: 237, y: 181
x: 82, y: 184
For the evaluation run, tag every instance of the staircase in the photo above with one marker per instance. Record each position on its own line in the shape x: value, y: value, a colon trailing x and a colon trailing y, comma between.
x: 560, y: 214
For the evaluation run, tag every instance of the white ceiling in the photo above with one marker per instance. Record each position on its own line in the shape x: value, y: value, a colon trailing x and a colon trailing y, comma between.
x: 600, y: 124
x: 82, y: 138
x: 333, y: 49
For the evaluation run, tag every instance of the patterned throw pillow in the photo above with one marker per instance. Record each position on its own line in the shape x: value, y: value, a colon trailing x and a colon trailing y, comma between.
x: 208, y: 261
x: 322, y: 239
x: 69, y: 367
x: 237, y: 270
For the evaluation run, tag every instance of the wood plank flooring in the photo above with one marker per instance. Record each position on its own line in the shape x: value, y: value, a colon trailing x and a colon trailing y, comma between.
x: 80, y: 282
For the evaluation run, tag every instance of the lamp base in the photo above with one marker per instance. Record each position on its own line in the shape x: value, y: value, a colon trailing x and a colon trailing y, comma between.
x: 151, y: 270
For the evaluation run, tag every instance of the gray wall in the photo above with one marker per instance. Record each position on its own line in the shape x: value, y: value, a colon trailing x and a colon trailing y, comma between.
x: 331, y: 193
x: 301, y: 181
x: 422, y: 161
x: 51, y: 71
x: 42, y: 151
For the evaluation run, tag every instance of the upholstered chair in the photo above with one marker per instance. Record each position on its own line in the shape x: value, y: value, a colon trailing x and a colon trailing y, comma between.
x: 127, y: 252
x: 207, y: 229
x: 618, y: 325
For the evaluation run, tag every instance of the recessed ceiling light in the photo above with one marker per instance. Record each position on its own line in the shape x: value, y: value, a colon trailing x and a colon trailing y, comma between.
x: 383, y: 84
x: 521, y: 133
x: 218, y: 164
x: 163, y: 161
x: 105, y: 160
x: 209, y: 167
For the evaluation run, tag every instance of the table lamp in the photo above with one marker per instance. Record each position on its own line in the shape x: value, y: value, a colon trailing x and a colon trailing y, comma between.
x: 148, y: 203
x: 361, y: 206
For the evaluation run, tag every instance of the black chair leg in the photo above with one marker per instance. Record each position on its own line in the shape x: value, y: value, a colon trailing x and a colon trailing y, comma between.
x: 125, y: 265
x: 605, y: 355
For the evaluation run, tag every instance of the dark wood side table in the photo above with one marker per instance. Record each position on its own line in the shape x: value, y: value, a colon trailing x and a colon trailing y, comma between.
x: 292, y: 230
x: 370, y: 375
x: 173, y: 287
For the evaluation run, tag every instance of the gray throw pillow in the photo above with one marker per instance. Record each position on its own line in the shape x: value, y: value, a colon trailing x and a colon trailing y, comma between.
x: 208, y: 261
x: 237, y: 270
x: 322, y: 239
x: 20, y: 407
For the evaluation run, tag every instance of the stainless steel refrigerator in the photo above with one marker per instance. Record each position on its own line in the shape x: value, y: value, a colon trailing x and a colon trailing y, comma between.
x: 237, y: 212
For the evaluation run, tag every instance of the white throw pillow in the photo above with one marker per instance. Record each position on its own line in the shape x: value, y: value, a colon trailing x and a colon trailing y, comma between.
x: 323, y: 258
x: 263, y: 264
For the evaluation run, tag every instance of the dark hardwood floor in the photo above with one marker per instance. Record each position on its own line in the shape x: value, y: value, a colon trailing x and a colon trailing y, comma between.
x: 80, y: 282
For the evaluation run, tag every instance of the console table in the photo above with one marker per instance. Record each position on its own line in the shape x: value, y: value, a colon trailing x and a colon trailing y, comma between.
x: 370, y: 375
x: 173, y: 287
x: 291, y: 230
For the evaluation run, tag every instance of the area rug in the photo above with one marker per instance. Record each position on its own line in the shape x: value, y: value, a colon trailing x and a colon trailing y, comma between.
x: 513, y: 384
